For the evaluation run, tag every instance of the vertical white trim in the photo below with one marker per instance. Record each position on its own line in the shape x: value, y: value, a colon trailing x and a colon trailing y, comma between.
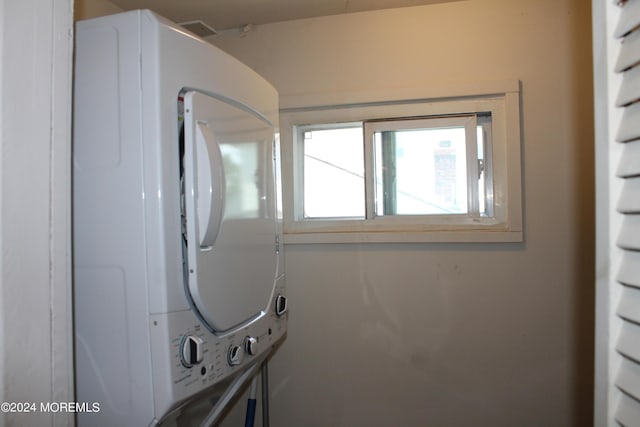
x: 513, y: 156
x: 2, y: 303
x: 370, y: 184
x: 35, y: 284
x: 601, y: 64
x: 614, y: 219
x: 471, y: 135
x: 62, y: 388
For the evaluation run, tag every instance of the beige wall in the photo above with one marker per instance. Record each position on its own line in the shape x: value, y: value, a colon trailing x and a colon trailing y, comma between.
x: 85, y: 9
x: 447, y: 334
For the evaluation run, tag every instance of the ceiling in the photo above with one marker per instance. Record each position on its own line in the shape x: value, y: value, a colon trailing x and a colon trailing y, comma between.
x: 225, y: 14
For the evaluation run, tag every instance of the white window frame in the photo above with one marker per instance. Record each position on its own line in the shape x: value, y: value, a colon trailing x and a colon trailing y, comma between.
x: 500, y: 99
x: 469, y: 122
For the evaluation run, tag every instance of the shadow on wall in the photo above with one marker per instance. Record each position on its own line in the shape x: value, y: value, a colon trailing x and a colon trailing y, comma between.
x: 583, y: 302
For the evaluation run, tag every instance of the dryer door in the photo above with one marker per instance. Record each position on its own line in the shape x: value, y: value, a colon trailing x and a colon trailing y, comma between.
x: 229, y: 211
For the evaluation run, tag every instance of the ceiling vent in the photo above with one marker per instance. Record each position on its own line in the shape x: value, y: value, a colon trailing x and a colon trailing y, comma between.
x: 199, y: 28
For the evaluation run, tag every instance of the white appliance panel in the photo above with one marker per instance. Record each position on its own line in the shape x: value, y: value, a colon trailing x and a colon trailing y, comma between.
x: 148, y: 339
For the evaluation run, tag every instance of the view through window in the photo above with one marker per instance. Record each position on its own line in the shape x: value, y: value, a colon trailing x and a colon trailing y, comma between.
x: 425, y: 166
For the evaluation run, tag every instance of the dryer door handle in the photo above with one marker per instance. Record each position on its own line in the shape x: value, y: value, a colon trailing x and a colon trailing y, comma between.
x: 211, y: 185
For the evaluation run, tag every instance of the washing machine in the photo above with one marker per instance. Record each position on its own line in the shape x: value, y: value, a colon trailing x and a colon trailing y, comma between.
x: 178, y: 266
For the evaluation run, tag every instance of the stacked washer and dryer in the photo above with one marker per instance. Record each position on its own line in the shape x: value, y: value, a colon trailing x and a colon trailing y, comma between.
x: 178, y: 267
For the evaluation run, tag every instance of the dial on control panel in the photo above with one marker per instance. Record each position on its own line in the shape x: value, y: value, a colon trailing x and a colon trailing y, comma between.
x: 281, y: 305
x: 190, y: 350
x: 251, y: 345
x: 234, y: 355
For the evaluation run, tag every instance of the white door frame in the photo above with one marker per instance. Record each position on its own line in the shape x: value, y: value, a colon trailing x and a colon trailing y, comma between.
x: 36, y: 357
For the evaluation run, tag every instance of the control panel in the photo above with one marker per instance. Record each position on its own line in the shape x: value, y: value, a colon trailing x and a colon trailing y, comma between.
x: 199, y: 359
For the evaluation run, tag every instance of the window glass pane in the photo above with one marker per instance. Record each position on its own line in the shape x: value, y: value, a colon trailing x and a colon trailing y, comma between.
x: 421, y: 171
x: 333, y: 172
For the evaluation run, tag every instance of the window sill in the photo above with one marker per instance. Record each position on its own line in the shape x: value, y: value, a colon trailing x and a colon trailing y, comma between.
x: 471, y: 236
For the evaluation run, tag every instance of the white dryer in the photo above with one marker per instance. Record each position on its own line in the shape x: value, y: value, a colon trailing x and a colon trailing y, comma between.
x: 178, y: 269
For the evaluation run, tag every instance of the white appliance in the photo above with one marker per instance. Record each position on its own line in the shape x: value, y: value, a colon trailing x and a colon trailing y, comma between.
x: 178, y: 270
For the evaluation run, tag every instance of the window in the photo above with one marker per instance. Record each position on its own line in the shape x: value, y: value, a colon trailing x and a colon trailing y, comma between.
x: 424, y: 170
x: 333, y: 168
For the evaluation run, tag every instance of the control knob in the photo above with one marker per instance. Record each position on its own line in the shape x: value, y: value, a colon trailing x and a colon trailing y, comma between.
x: 251, y: 345
x: 190, y: 350
x: 234, y: 355
x: 281, y: 305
